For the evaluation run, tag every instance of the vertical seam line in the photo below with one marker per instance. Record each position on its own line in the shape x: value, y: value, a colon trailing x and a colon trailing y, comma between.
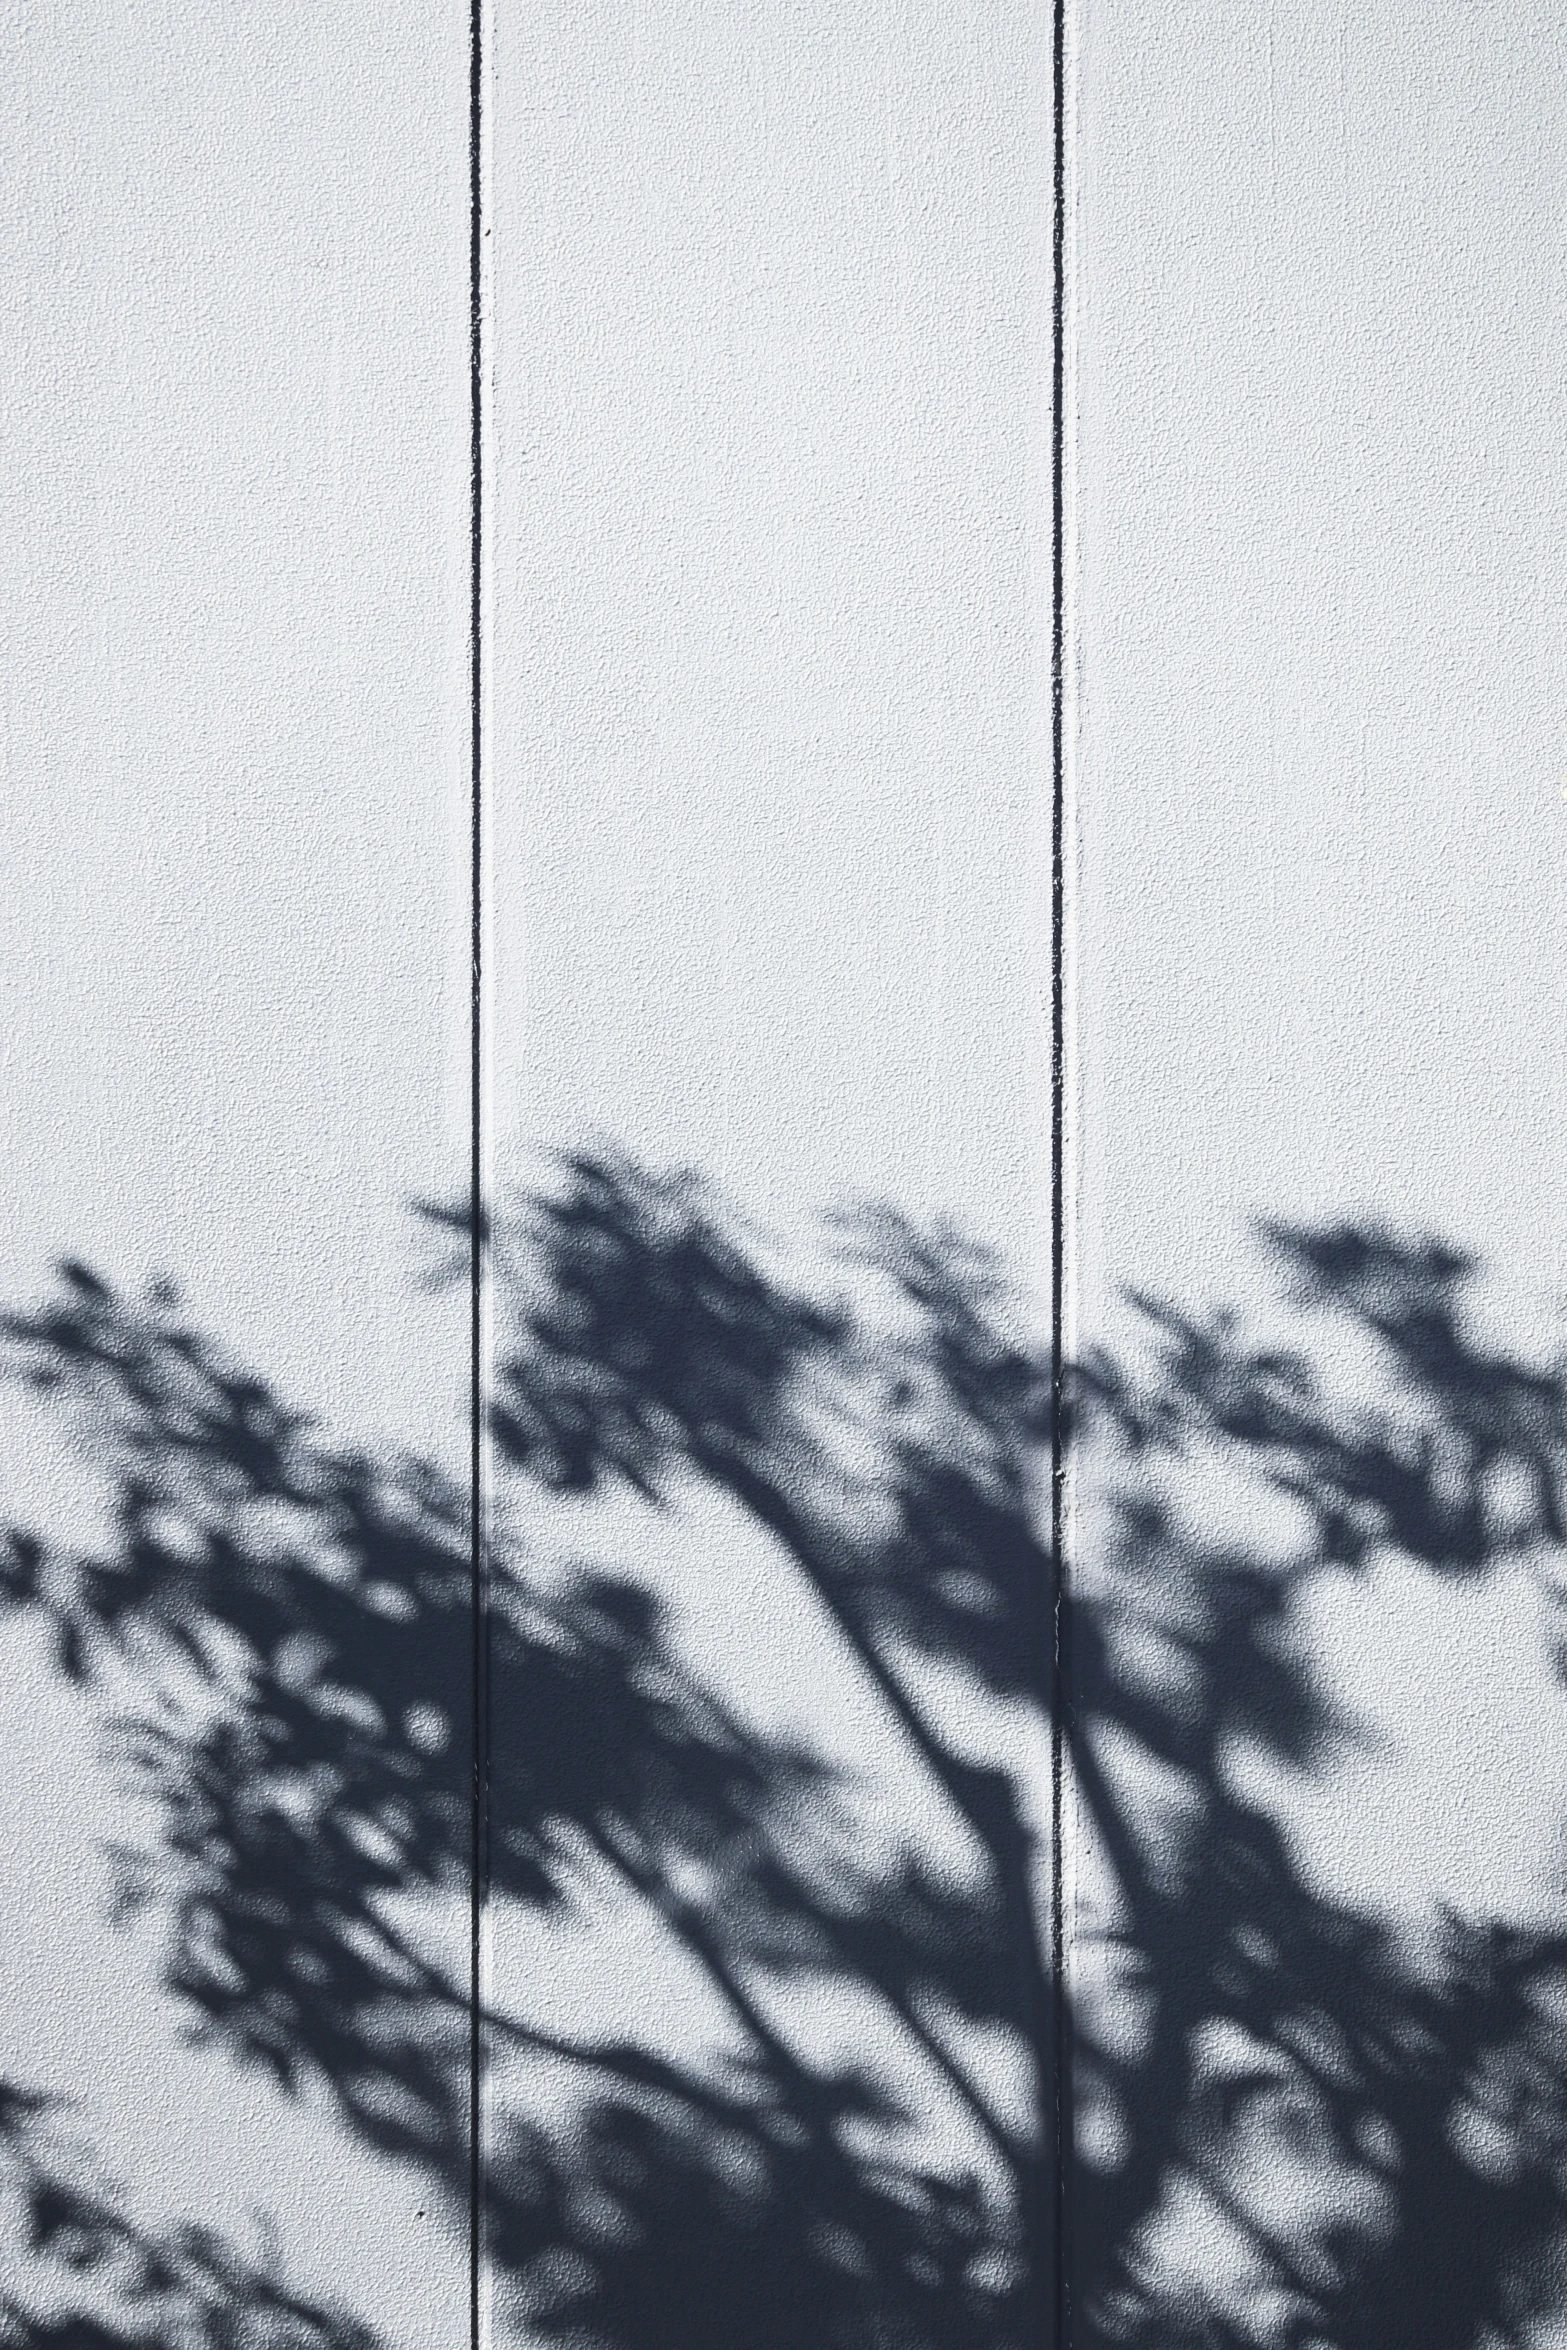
x: 1060, y: 2053
x: 478, y: 1596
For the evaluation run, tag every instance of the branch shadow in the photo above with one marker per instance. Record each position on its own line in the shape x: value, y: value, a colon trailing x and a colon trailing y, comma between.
x: 1291, y: 2128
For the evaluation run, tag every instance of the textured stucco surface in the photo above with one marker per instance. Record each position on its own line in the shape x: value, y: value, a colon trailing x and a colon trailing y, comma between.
x: 1319, y: 506
x: 766, y: 728
x: 1320, y: 758
x: 769, y: 596
x: 1319, y: 765
x: 232, y: 973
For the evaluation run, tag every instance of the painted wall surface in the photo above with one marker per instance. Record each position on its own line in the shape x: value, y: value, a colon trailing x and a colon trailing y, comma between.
x: 768, y: 757
x: 1319, y: 1028
x: 768, y: 2037
x: 234, y: 1017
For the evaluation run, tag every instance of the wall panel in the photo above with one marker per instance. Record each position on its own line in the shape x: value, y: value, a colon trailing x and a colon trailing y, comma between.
x: 768, y: 757
x: 235, y: 1054
x: 1318, y: 494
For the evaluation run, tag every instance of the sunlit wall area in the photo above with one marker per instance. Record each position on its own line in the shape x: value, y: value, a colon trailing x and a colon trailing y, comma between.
x: 1318, y: 504
x: 767, y: 728
x: 769, y: 598
x: 233, y: 994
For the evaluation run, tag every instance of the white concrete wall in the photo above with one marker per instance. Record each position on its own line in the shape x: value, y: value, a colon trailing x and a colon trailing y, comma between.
x: 233, y: 964
x: 769, y: 596
x: 766, y: 616
x: 1321, y: 679
x: 1318, y: 504
x: 767, y: 741
x: 764, y: 630
x: 1320, y: 652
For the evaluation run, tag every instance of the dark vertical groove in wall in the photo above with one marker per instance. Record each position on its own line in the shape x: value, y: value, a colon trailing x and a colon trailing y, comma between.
x: 476, y: 1203
x: 1060, y: 2052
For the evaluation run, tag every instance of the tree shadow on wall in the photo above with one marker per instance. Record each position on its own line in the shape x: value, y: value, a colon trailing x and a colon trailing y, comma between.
x: 84, y: 2276
x: 299, y: 1616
